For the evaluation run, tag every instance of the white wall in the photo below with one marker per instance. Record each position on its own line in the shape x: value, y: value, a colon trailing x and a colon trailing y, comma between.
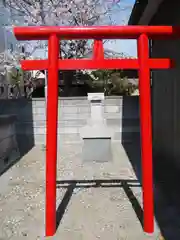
x: 11, y: 42
x: 7, y: 38
x: 2, y: 41
x: 4, y: 15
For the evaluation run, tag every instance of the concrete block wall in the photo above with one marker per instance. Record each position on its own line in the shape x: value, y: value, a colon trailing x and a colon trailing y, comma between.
x: 122, y: 116
x: 72, y: 115
x: 120, y: 113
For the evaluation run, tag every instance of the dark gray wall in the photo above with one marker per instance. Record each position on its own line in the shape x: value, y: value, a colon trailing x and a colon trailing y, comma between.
x: 166, y: 125
x: 166, y: 89
x: 23, y: 110
x: 9, y: 151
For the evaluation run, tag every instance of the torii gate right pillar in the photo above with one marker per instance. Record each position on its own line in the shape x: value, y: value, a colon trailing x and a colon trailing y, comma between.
x: 146, y: 132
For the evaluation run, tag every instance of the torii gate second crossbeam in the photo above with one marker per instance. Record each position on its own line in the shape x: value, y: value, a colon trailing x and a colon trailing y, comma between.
x: 143, y: 64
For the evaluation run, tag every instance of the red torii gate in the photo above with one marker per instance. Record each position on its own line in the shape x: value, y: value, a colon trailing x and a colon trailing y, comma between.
x: 143, y: 64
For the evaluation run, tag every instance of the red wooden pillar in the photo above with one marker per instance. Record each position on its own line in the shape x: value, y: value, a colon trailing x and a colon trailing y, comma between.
x: 98, y: 51
x: 51, y: 140
x: 146, y: 133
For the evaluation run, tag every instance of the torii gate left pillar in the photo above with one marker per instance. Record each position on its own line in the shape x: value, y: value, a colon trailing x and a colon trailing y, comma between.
x: 51, y: 137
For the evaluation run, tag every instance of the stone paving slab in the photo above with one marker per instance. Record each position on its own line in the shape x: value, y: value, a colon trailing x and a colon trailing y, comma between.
x: 99, y: 208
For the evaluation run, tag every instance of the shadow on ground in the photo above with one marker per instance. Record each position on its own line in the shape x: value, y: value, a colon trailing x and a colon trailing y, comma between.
x: 166, y: 178
x: 71, y: 185
x: 22, y: 110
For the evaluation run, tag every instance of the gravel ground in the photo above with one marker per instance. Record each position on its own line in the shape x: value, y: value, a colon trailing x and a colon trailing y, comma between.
x: 100, y: 207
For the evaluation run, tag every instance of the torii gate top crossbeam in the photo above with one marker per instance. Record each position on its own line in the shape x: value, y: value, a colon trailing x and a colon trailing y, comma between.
x: 106, y: 32
x: 97, y: 33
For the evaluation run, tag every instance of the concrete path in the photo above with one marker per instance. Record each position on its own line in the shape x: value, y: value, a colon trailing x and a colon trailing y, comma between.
x: 101, y: 202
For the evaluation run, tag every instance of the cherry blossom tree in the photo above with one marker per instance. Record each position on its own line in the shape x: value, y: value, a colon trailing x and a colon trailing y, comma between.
x: 63, y: 13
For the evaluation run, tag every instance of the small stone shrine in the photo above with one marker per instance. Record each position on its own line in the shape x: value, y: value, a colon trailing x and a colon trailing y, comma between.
x: 96, y: 135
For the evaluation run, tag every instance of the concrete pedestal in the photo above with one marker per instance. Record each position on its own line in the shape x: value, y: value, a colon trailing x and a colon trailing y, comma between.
x: 97, y: 150
x: 97, y: 143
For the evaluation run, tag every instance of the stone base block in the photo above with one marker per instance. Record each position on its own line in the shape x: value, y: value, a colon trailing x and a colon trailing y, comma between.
x: 97, y: 150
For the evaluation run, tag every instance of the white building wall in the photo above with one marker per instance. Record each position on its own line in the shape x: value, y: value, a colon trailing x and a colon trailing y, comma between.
x: 8, y: 43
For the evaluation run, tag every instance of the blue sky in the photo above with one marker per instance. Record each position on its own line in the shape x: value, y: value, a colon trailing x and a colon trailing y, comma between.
x: 121, y: 17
